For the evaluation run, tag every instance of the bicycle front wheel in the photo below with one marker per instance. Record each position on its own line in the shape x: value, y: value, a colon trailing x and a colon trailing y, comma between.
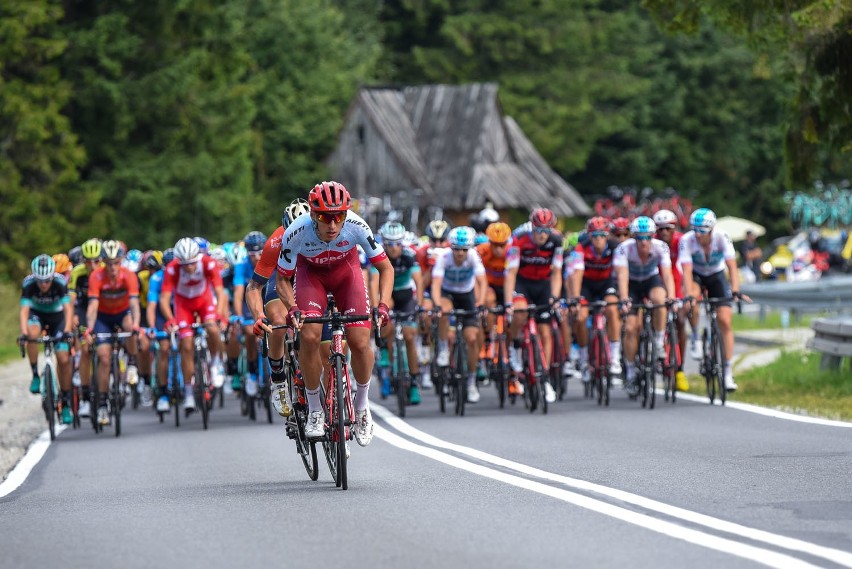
x: 540, y: 376
x: 116, y: 395
x: 340, y: 424
x: 719, y: 367
x: 202, y: 380
x: 400, y: 379
x: 49, y: 401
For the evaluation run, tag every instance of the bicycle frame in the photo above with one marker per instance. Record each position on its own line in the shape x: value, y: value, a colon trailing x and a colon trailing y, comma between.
x: 533, y: 358
x: 49, y: 403
x: 599, y: 353
x: 713, y: 348
x: 116, y: 395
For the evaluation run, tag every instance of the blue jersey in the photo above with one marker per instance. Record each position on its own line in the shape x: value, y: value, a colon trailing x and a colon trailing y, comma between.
x: 243, y: 272
x: 155, y: 286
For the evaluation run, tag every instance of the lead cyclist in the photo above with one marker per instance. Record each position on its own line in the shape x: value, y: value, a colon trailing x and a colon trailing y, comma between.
x: 320, y: 249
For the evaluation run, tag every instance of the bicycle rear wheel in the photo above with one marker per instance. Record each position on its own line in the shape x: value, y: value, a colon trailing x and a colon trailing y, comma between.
x: 307, y: 449
x: 596, y: 363
x: 200, y: 388
x: 500, y: 372
x: 400, y: 378
x: 460, y: 376
x: 49, y: 401
x: 708, y: 363
x: 670, y: 379
x: 644, y: 358
x: 540, y: 375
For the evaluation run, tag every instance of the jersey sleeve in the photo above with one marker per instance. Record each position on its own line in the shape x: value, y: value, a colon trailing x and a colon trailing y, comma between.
x: 155, y: 285
x: 372, y: 249
x: 240, y: 272
x: 211, y: 270
x: 619, y: 257
x: 513, y: 258
x: 95, y: 284
x: 170, y: 277
x: 132, y: 283
x: 729, y: 247
x: 287, y: 256
x: 665, y: 255
x: 25, y: 297
x: 268, y: 259
x: 684, y: 256
x: 438, y: 267
x: 478, y: 267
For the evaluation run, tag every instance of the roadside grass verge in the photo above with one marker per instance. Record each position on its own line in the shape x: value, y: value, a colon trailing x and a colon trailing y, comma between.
x: 9, y: 326
x: 793, y: 383
x: 772, y: 321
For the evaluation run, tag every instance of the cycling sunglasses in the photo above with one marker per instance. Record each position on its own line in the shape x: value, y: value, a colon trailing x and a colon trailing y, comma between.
x: 543, y: 230
x: 600, y: 234
x: 327, y: 218
x: 701, y: 230
x: 465, y: 249
x: 396, y: 243
x: 501, y: 244
x: 621, y: 233
x: 643, y: 237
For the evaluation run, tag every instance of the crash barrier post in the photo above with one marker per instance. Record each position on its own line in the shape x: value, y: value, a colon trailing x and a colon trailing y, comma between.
x: 833, y: 339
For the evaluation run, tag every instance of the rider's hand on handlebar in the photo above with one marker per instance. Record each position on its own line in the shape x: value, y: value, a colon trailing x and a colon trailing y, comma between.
x: 625, y: 304
x: 294, y: 317
x: 261, y: 325
x: 383, y: 313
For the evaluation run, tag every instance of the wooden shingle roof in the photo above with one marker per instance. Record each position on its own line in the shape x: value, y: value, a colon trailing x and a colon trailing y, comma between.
x: 454, y: 142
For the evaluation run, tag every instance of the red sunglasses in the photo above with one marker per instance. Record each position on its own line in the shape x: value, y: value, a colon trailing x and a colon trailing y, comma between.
x: 327, y: 218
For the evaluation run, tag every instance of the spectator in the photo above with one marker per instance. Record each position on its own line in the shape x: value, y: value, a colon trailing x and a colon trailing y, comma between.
x: 751, y: 252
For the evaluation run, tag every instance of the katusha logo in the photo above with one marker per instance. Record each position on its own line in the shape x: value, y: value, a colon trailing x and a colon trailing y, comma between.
x: 343, y: 243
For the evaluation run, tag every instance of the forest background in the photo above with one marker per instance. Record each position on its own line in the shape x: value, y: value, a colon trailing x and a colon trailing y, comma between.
x: 145, y: 121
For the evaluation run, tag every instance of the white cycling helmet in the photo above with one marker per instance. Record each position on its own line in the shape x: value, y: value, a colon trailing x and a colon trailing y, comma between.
x: 702, y: 220
x: 187, y: 251
x: 665, y: 218
x: 462, y: 237
x: 392, y: 231
x: 296, y: 208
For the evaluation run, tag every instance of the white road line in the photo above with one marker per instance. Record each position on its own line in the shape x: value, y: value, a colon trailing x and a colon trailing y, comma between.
x: 792, y: 544
x: 758, y: 555
x: 766, y: 411
x: 30, y: 459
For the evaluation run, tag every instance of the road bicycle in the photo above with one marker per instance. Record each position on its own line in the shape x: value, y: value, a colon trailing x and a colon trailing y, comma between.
x: 202, y: 386
x: 50, y: 403
x: 600, y: 380
x: 533, y: 374
x: 117, y: 387
x: 337, y: 399
x: 558, y: 355
x: 175, y: 386
x: 458, y: 368
x: 647, y: 366
x: 713, y: 358
x: 672, y: 358
x: 497, y: 354
x: 401, y: 379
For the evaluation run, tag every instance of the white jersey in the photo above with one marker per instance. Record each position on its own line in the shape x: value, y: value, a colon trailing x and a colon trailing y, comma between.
x: 300, y: 241
x: 457, y: 278
x: 573, y: 263
x: 691, y: 252
x: 626, y: 255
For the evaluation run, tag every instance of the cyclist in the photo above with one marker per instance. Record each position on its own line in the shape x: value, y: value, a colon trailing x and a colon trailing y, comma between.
x: 597, y: 282
x: 63, y: 265
x: 254, y: 244
x: 406, y: 297
x: 157, y: 321
x: 643, y: 269
x: 458, y: 281
x: 320, y: 250
x: 113, y: 304
x: 46, y: 307
x: 235, y: 254
x: 620, y: 229
x: 263, y: 302
x: 79, y: 290
x: 534, y: 276
x: 190, y: 277
x: 667, y: 232
x: 75, y: 255
x: 704, y: 256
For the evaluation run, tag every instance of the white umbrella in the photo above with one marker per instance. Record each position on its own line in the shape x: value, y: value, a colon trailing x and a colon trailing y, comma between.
x: 736, y: 227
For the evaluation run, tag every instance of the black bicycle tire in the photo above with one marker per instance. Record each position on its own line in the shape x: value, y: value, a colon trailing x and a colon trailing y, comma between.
x: 401, y: 384
x: 644, y: 345
x: 340, y: 424
x: 539, y: 371
x: 607, y: 378
x: 49, y: 402
x: 501, y: 380
x: 460, y: 375
x: 720, y: 367
x: 652, y: 381
x: 116, y: 394
x: 531, y: 391
x: 595, y: 359
x: 671, y: 365
x: 200, y: 388
x: 557, y: 360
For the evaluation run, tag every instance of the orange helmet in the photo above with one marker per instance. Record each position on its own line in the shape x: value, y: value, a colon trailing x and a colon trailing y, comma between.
x: 329, y: 196
x: 63, y: 263
x: 498, y: 232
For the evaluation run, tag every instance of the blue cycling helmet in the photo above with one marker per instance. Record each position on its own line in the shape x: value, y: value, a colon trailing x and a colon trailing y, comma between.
x: 254, y: 240
x: 168, y: 256
x: 702, y: 220
x: 480, y: 239
x: 462, y: 237
x: 643, y: 225
x: 203, y: 244
x: 132, y: 260
x: 236, y: 253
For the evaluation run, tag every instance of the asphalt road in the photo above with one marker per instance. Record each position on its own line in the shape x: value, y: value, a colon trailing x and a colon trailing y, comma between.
x: 683, y: 485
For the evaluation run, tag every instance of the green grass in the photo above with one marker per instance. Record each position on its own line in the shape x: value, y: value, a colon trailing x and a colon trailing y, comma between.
x: 9, y: 327
x: 772, y: 320
x: 794, y: 383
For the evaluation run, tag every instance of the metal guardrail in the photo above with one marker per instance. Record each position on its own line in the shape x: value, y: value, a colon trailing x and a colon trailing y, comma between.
x: 833, y: 339
x: 824, y: 294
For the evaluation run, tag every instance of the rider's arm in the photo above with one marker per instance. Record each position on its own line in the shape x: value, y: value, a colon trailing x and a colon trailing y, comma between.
x: 734, y: 275
x: 555, y: 281
x: 509, y: 284
x: 166, y: 305
x: 25, y: 317
x: 668, y: 280
x: 284, y: 288
x: 253, y: 299
x: 417, y: 277
x: 373, y: 287
x: 68, y: 310
x: 92, y: 313
x: 151, y: 313
x: 135, y: 311
x: 481, y: 289
x: 222, y: 299
x: 386, y: 275
x: 623, y: 276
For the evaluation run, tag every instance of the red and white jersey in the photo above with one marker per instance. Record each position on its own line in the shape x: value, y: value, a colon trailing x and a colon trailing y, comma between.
x: 181, y: 284
x: 301, y: 241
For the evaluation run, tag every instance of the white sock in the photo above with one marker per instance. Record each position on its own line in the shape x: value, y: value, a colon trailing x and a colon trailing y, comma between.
x: 361, y: 399
x: 471, y: 379
x: 659, y: 337
x: 615, y: 349
x: 443, y: 345
x: 314, y: 400
x: 583, y: 355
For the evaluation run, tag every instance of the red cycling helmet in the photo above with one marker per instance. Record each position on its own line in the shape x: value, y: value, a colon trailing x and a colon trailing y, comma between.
x: 597, y: 224
x: 621, y: 224
x: 329, y: 196
x: 543, y: 217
